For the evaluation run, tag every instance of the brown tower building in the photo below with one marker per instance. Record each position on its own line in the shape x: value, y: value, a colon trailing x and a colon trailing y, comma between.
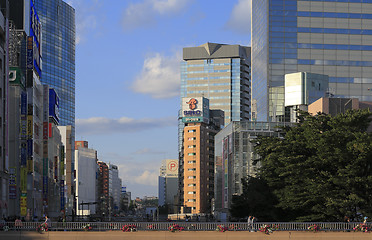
x: 201, y: 125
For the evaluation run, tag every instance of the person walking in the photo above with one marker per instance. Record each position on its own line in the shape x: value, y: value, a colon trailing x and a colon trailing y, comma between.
x: 249, y: 221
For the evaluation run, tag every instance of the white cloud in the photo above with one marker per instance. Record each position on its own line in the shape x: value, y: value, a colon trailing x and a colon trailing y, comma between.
x: 101, y: 125
x: 148, y: 178
x: 86, y: 14
x: 135, y: 173
x: 143, y: 14
x: 240, y: 18
x: 160, y: 76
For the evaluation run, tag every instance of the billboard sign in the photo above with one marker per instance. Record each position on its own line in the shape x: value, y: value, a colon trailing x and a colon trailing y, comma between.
x: 195, y: 110
x: 35, y: 34
x: 53, y: 105
x: 172, y: 168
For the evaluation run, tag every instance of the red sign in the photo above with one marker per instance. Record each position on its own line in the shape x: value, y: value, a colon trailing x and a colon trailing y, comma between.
x: 172, y: 166
x: 192, y: 103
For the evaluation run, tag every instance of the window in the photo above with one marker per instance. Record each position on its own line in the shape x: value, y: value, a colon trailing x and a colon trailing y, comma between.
x: 191, y: 154
x: 191, y: 169
x: 191, y: 192
x: 191, y: 200
x: 192, y: 138
x: 191, y: 162
x: 192, y: 185
x: 192, y: 146
x: 192, y: 130
x: 191, y: 177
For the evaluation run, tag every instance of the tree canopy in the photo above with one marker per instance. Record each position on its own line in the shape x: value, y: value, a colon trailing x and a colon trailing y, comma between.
x: 319, y: 171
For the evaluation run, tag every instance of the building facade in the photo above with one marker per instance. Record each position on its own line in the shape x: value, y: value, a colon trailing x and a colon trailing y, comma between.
x: 86, y: 180
x: 168, y: 182
x: 58, y: 40
x: 234, y: 156
x: 220, y: 73
x: 327, y: 37
x: 114, y: 188
x: 197, y: 183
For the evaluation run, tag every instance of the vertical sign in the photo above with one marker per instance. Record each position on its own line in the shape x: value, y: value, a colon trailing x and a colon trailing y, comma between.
x: 45, y: 143
x: 12, y: 183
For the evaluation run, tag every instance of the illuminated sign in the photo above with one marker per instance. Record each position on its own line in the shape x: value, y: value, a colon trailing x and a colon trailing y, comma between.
x: 54, y: 105
x: 33, y: 42
x: 192, y: 103
x: 195, y: 110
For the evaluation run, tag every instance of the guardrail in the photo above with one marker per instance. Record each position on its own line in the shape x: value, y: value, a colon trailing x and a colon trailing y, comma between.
x: 191, y: 226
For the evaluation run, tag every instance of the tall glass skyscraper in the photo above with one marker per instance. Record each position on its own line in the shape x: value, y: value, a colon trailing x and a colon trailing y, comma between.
x: 331, y: 37
x: 220, y: 73
x: 58, y: 54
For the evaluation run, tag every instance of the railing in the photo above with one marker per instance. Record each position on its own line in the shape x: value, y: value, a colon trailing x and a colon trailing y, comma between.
x: 191, y: 226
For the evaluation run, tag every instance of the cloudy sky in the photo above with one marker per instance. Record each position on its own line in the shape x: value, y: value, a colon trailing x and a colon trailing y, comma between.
x: 128, y: 56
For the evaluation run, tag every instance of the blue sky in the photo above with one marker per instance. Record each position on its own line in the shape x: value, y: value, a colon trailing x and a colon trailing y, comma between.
x: 128, y: 56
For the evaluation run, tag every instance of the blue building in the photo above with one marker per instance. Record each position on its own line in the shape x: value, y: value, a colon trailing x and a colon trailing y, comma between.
x: 330, y: 37
x: 58, y: 54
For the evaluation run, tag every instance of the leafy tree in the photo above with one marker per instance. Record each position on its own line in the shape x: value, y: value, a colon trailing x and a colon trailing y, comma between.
x: 257, y: 200
x: 321, y: 169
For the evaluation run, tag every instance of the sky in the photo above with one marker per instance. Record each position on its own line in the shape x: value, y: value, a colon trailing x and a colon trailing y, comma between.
x: 128, y: 55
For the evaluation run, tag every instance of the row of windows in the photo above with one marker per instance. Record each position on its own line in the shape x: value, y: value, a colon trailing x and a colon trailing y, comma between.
x: 335, y: 30
x: 211, y: 91
x: 335, y: 46
x: 335, y: 62
x: 349, y: 80
x: 209, y: 71
x: 351, y: 1
x: 334, y: 15
x: 206, y: 85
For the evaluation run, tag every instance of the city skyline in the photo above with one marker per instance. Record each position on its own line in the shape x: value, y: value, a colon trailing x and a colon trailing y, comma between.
x: 128, y: 76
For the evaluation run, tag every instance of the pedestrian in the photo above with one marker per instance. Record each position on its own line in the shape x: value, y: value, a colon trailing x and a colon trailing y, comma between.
x: 249, y: 221
x: 365, y: 220
x: 18, y: 224
x: 48, y: 222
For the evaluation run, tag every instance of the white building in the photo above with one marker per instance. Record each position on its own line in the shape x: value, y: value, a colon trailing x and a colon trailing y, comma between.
x: 86, y: 177
x: 168, y: 181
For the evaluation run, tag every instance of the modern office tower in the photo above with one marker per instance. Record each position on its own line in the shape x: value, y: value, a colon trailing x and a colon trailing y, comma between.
x: 300, y: 90
x: 168, y: 182
x: 103, y: 194
x: 325, y: 37
x: 69, y: 181
x: 86, y: 173
x: 58, y: 53
x: 114, y: 188
x: 198, y: 161
x: 234, y: 155
x: 220, y: 73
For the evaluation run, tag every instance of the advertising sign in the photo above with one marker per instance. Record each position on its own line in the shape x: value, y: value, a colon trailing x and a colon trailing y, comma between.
x: 54, y: 105
x: 195, y: 110
x: 29, y: 126
x: 62, y: 194
x: 23, y: 180
x: 12, y: 183
x: 172, y: 168
x: 23, y: 203
x: 30, y: 53
x: 35, y: 34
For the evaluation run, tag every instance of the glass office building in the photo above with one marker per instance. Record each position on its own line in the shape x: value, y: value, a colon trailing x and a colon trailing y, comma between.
x: 331, y: 37
x: 58, y: 54
x: 220, y: 73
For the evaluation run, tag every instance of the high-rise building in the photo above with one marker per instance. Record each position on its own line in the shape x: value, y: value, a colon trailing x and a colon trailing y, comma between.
x: 58, y: 53
x: 201, y: 125
x: 221, y: 73
x: 327, y: 37
x: 103, y: 189
x: 114, y: 188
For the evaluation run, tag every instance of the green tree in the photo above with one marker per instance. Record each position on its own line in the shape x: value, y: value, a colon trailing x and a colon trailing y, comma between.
x: 321, y: 169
